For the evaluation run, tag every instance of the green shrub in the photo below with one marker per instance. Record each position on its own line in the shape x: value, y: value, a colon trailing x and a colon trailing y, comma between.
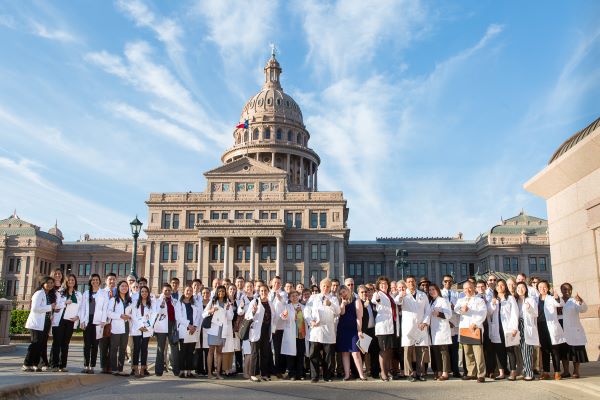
x: 17, y: 321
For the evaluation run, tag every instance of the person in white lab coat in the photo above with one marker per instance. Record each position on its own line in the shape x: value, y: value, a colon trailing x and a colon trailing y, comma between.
x: 92, y: 317
x: 39, y: 322
x: 441, y: 334
x: 503, y: 325
x: 294, y: 334
x: 188, y: 316
x: 472, y: 311
x: 321, y: 311
x: 68, y: 296
x: 142, y: 321
x: 387, y: 325
x: 527, y: 329
x: 452, y: 296
x: 550, y: 332
x: 220, y: 329
x: 244, y: 300
x: 202, y: 347
x: 119, y: 312
x: 573, y: 330
x: 262, y: 314
x: 415, y: 334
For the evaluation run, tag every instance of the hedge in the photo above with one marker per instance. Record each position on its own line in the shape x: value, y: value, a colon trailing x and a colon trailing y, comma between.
x: 17, y: 321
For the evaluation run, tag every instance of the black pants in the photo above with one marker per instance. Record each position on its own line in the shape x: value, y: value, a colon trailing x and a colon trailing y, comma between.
x: 261, y: 355
x: 38, y: 340
x: 186, y: 355
x: 295, y: 364
x: 201, y: 361
x: 161, y: 342
x: 321, y: 353
x: 453, y: 350
x: 104, y: 349
x: 279, y: 359
x: 140, y: 350
x: 547, y: 349
x: 239, y: 361
x: 90, y: 346
x: 118, y: 346
x: 374, y: 353
x: 60, y: 343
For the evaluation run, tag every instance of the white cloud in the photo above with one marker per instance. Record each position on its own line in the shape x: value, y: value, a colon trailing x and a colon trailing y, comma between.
x: 40, y: 201
x: 59, y: 35
x: 8, y: 21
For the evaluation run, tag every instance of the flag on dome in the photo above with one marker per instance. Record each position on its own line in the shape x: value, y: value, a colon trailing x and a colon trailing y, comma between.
x: 244, y: 125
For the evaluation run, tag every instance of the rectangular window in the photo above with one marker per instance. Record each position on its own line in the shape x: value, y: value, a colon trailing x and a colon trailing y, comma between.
x: 463, y: 270
x: 115, y: 268
x: 323, y: 220
x: 164, y: 277
x: 11, y: 264
x: 164, y: 256
x: 289, y: 220
x: 191, y: 220
x: 200, y: 217
x: 323, y: 251
x: 81, y: 270
x: 313, y: 220
x: 166, y: 223
x: 422, y: 269
x: 542, y: 261
x: 16, y: 288
x: 224, y: 215
x: 289, y: 250
x: 175, y: 221
x: 298, y: 221
x: 515, y: 264
x: 532, y: 264
x: 264, y: 253
x: 273, y: 253
x: 506, y: 261
x: 273, y: 215
x: 174, y: 252
x: 106, y: 268
x: 88, y: 269
x: 189, y: 276
x: 298, y: 252
x: 214, y: 254
x: 314, y: 251
x: 122, y: 271
x: 214, y: 215
x: 249, y: 215
x: 289, y: 276
x: 18, y: 265
x: 239, y: 215
x: 247, y: 254
x: 240, y: 253
x: 189, y: 252
x: 264, y: 215
x: 8, y: 288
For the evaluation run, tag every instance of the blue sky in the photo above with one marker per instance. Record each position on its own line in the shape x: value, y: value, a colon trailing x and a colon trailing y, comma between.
x: 429, y: 116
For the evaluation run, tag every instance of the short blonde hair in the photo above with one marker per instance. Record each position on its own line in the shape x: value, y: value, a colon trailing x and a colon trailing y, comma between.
x: 325, y: 281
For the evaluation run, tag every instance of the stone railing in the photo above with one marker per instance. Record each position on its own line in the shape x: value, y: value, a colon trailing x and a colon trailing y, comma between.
x: 5, y: 310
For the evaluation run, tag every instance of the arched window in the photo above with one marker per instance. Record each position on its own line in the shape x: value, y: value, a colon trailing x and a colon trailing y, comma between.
x: 289, y: 136
x: 306, y: 141
x: 255, y: 134
x: 278, y: 134
x: 268, y: 134
x: 298, y: 139
x: 246, y: 136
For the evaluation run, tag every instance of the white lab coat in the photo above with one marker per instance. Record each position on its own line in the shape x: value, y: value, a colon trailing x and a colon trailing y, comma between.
x: 203, y: 334
x: 316, y: 310
x: 288, y: 343
x: 243, y: 305
x: 476, y: 313
x: 101, y: 301
x: 161, y: 322
x: 222, y: 317
x: 440, y: 327
x: 557, y: 335
x: 384, y: 320
x: 415, y: 311
x: 279, y: 324
x: 452, y: 297
x: 573, y: 330
x: 529, y: 315
x: 61, y: 301
x: 509, y: 318
x: 257, y: 318
x: 182, y: 320
x: 138, y: 321
x: 37, y: 313
x: 115, y: 310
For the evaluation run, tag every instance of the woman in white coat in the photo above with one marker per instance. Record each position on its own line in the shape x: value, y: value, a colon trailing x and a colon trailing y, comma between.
x: 528, y: 330
x: 387, y: 325
x: 503, y: 325
x: 68, y: 296
x: 142, y: 321
x: 573, y: 330
x: 550, y: 332
x: 262, y: 314
x: 119, y: 312
x: 188, y: 317
x: 92, y: 316
x: 294, y: 334
x: 243, y: 306
x: 39, y: 322
x: 220, y: 329
x: 441, y: 333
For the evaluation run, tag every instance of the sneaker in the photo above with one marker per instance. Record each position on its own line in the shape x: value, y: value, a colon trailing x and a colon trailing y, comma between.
x: 25, y: 368
x: 557, y: 376
x: 85, y: 370
x: 63, y: 370
x: 265, y: 378
x: 91, y: 371
x: 44, y: 369
x: 255, y: 378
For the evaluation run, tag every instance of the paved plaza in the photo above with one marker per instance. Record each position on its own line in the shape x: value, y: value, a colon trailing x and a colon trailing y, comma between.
x: 74, y: 385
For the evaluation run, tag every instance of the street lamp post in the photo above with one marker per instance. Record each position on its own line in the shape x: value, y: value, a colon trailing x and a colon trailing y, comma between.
x: 136, y: 228
x: 401, y: 260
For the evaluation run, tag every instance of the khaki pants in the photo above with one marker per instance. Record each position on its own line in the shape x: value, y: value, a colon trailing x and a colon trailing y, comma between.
x: 419, y: 354
x: 474, y: 359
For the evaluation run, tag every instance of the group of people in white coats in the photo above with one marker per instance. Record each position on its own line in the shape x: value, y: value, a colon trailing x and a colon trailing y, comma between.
x: 388, y: 330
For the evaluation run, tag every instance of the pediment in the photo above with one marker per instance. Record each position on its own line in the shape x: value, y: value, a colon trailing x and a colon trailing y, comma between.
x: 245, y: 167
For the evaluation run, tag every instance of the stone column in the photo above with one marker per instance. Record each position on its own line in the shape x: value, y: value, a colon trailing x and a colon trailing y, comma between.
x: 257, y: 156
x: 199, y: 257
x: 342, y: 260
x: 332, y: 272
x: 302, y: 171
x: 311, y: 180
x: 279, y: 265
x: 205, y: 261
x: 273, y: 159
x: 155, y: 279
x: 26, y: 281
x: 181, y: 262
x: 288, y: 165
x: 5, y: 309
x: 2, y: 250
x: 252, y: 257
x: 316, y: 180
x: 219, y: 252
x: 226, y: 270
x: 306, y: 272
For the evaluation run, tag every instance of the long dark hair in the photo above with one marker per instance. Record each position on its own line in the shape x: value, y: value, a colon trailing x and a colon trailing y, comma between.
x: 92, y: 276
x: 215, y: 298
x: 118, y: 296
x: 52, y: 292
x: 65, y: 286
x: 148, y: 301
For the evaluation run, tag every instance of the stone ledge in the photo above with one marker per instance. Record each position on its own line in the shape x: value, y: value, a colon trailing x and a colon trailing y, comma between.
x: 47, y: 387
x: 7, y: 348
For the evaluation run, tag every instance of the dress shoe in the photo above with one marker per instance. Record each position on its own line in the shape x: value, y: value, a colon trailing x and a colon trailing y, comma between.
x: 468, y: 378
x: 480, y: 380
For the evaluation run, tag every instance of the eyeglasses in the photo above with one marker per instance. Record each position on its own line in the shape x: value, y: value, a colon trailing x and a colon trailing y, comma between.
x: 448, y: 281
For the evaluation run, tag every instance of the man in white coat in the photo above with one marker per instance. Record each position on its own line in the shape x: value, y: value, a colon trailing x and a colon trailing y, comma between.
x: 415, y: 321
x: 320, y: 312
x: 280, y: 362
x: 452, y: 296
x: 473, y: 312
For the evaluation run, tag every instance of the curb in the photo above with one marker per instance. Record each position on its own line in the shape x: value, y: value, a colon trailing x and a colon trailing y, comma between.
x: 8, y: 348
x: 48, y: 387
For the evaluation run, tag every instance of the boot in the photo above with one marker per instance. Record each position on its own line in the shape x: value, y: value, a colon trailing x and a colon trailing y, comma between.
x: 142, y: 371
x: 135, y: 371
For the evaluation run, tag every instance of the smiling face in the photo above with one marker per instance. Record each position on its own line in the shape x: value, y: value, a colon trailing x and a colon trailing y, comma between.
x: 95, y: 282
x: 188, y: 291
x: 71, y: 282
x: 123, y: 288
x: 263, y: 292
x: 144, y: 293
x: 48, y: 285
x: 231, y: 290
x: 221, y: 294
x: 58, y: 276
x: 249, y: 289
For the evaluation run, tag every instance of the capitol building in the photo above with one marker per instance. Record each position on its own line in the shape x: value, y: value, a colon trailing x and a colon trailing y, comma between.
x: 260, y: 215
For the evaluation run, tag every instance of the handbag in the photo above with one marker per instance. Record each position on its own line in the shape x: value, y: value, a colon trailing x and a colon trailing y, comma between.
x: 244, y: 331
x: 106, y: 331
x: 207, y: 322
x: 174, y: 335
x: 468, y: 336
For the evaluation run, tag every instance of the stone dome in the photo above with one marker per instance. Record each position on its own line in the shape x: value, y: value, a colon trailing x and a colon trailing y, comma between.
x: 272, y: 102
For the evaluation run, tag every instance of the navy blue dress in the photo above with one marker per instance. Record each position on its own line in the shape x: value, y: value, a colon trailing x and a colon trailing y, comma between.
x: 347, y: 331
